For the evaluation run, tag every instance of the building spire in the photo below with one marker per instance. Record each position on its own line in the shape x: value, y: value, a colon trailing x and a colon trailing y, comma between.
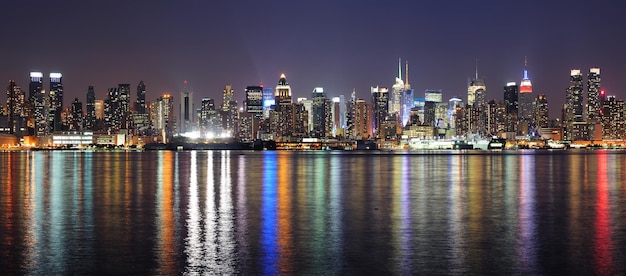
x: 525, y: 68
x: 406, y: 72
x: 476, y: 69
x: 399, y: 68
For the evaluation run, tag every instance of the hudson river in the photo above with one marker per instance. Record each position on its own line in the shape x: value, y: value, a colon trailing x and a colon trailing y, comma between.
x: 313, y: 213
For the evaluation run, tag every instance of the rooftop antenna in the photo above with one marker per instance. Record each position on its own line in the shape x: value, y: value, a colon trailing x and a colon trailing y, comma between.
x: 476, y: 69
x: 525, y: 68
x: 406, y: 72
x: 399, y: 68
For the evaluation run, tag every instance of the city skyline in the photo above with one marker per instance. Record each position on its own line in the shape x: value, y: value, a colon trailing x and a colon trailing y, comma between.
x: 211, y: 45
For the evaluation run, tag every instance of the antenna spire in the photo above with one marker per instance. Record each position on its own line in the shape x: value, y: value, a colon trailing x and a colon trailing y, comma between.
x: 399, y: 68
x: 406, y: 72
x: 525, y: 68
x: 476, y: 68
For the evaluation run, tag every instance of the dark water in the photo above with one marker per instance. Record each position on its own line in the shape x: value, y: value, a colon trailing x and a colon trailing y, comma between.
x: 312, y: 213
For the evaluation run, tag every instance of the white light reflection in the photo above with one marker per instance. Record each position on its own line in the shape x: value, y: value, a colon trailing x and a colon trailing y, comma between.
x: 193, y: 242
x: 527, y: 246
x: 225, y: 238
x: 456, y: 240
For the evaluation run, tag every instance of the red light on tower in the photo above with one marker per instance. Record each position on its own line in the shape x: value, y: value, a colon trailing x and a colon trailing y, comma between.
x: 602, y: 92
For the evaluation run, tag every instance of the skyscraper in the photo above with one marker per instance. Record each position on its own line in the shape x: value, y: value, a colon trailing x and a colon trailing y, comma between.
x: 36, y: 85
x: 380, y: 99
x: 229, y: 111
x: 186, y: 111
x: 162, y: 116
x: 56, y: 101
x: 612, y: 117
x: 407, y: 101
x: 282, y: 92
x: 476, y: 90
x: 526, y: 113
x: 575, y: 127
x: 140, y: 104
x: 282, y: 121
x: 541, y: 111
x: 90, y: 118
x: 16, y: 106
x: 594, y: 103
x: 76, y: 122
x: 254, y: 101
x: 397, y: 93
x: 511, y: 106
x: 124, y: 105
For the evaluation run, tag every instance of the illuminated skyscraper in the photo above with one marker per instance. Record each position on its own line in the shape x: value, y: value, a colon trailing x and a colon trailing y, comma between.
x: 140, y: 104
x: 511, y: 106
x: 526, y: 98
x: 76, y: 118
x: 36, y: 85
x: 254, y: 101
x: 90, y: 118
x: 397, y: 91
x: 56, y: 101
x: 282, y: 120
x: 575, y: 127
x: 162, y: 116
x: 229, y: 111
x: 476, y: 90
x: 594, y: 103
x: 362, y: 120
x: 282, y: 92
x: 322, y: 122
x: 380, y: 99
x: 186, y: 110
x: 16, y: 107
x: 541, y: 111
x: 612, y: 117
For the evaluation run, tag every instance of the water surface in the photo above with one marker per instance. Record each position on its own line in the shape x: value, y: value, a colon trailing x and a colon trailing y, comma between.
x: 280, y: 212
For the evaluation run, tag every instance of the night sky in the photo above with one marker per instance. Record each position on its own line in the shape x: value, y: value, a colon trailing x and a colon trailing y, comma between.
x: 339, y: 45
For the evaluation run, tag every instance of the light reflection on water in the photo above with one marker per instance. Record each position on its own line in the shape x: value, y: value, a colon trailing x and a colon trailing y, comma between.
x: 223, y: 212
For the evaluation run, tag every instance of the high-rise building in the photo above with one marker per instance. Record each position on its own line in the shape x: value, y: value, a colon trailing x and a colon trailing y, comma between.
x: 76, y: 118
x: 407, y: 101
x: 36, y: 85
x: 321, y: 111
x: 254, y: 101
x: 476, y: 90
x: 511, y: 106
x: 541, y: 111
x: 526, y: 98
x: 397, y: 94
x: 575, y: 127
x: 56, y: 101
x: 40, y: 114
x: 380, y: 111
x: 362, y: 120
x: 283, y: 91
x: 16, y: 107
x: 162, y: 116
x: 112, y: 110
x: 282, y: 123
x: 124, y: 105
x: 210, y: 120
x: 186, y: 110
x: 229, y: 111
x: 90, y: 118
x: 140, y: 117
x: 594, y: 104
x: 454, y: 103
x: 268, y: 100
x: 99, y: 109
x: 140, y: 104
x: 612, y: 118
